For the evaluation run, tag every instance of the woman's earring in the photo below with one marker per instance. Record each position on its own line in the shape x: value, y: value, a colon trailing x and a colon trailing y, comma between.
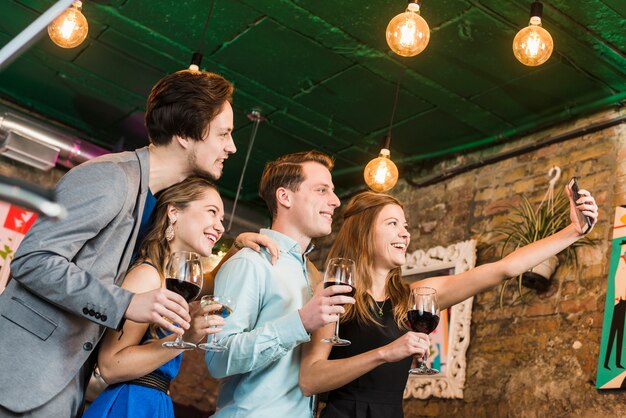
x: 169, y: 231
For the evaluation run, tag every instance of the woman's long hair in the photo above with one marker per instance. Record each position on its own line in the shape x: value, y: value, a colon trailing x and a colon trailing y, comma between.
x: 355, y: 240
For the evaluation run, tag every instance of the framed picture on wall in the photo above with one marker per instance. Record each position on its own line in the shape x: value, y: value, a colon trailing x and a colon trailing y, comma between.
x: 450, y: 340
x: 612, y: 360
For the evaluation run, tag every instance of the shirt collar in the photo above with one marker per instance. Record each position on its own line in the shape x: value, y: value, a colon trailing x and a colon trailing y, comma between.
x: 286, y: 243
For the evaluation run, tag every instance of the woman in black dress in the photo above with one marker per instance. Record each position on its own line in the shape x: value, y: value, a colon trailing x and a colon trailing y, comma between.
x: 367, y: 378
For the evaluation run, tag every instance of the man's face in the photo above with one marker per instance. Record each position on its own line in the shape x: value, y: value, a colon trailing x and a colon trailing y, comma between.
x: 314, y: 202
x: 207, y: 157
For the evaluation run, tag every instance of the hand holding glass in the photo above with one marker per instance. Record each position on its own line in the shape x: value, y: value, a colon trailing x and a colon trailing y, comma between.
x: 423, y: 316
x: 183, y: 275
x: 339, y: 271
x: 225, y: 312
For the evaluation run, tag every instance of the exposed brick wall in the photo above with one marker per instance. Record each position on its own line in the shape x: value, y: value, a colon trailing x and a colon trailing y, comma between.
x: 537, y: 359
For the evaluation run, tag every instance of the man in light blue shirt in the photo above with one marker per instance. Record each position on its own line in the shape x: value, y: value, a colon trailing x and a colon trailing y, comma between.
x: 274, y: 307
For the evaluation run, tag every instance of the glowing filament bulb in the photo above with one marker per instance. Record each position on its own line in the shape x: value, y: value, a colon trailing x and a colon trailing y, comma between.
x: 533, y: 44
x: 381, y: 174
x: 70, y: 28
x: 408, y: 33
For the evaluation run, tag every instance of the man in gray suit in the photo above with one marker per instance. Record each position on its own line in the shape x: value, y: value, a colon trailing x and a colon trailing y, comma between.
x: 65, y: 281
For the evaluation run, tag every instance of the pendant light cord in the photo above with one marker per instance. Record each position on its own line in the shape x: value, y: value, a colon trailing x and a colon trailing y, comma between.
x: 395, y: 101
x: 206, y: 26
x: 257, y: 118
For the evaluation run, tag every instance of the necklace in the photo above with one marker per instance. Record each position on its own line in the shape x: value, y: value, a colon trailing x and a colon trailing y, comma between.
x: 380, y: 307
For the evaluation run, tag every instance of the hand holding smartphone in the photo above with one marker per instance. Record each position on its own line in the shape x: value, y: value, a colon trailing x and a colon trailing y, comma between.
x: 584, y: 222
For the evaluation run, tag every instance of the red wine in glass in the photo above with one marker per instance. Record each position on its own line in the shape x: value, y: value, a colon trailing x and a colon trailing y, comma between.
x: 423, y: 316
x: 183, y: 276
x: 187, y: 290
x: 422, y: 321
x: 339, y: 271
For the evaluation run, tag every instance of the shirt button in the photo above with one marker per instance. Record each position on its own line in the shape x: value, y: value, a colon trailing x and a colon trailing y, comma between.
x: 87, y: 346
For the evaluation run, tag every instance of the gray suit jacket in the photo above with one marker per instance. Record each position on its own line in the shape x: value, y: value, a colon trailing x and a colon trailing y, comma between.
x: 65, y: 281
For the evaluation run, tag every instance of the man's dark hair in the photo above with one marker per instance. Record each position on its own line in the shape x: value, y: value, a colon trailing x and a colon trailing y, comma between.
x: 184, y: 103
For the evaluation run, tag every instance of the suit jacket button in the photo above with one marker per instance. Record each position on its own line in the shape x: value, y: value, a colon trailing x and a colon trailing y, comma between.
x: 92, y: 312
x: 87, y: 346
x: 103, y: 318
x: 85, y: 311
x: 98, y: 315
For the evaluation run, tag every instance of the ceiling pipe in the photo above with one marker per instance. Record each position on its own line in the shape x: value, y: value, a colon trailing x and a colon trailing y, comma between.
x: 41, y: 145
x: 576, y: 133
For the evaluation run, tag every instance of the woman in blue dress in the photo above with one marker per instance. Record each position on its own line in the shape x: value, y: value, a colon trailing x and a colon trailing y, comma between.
x: 367, y: 378
x: 188, y: 217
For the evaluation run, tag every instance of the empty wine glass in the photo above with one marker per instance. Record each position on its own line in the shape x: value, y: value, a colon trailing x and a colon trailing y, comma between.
x: 183, y: 275
x: 339, y: 271
x: 423, y: 316
x: 227, y: 309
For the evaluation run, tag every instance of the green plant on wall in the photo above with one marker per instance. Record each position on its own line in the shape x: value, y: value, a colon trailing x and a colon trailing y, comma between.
x: 526, y: 225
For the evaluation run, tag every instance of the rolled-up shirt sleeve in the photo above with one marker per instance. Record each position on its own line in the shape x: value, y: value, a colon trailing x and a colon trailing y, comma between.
x: 250, y: 347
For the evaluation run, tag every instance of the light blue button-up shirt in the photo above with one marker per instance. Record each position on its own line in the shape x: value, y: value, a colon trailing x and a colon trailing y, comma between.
x: 259, y: 370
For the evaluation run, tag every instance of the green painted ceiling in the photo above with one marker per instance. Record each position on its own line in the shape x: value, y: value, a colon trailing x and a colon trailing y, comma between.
x: 322, y: 74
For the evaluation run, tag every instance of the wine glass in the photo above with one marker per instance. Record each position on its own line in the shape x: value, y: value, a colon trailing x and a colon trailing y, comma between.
x: 183, y: 275
x: 423, y: 316
x: 227, y: 309
x: 339, y: 271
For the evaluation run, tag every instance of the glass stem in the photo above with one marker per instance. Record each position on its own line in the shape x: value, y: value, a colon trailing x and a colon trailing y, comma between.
x: 337, y: 328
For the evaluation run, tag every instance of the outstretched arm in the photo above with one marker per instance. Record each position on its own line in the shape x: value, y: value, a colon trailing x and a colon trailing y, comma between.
x: 456, y: 288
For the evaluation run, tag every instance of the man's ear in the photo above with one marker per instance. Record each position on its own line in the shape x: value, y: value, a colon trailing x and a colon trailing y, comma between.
x: 284, y: 197
x: 185, y: 143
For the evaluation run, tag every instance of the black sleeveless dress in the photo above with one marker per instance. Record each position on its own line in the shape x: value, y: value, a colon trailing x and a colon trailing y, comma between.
x: 378, y: 393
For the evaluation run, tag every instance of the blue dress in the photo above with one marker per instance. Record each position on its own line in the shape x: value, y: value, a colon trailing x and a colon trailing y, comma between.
x: 130, y: 400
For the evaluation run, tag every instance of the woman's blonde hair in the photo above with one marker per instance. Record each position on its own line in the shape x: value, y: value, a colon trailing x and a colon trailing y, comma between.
x: 355, y: 240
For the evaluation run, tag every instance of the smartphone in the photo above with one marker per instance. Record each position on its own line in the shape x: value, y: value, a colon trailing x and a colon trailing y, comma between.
x: 585, y: 222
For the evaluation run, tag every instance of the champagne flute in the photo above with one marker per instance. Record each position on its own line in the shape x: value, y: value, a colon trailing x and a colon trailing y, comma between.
x: 423, y: 316
x: 183, y: 275
x: 227, y: 309
x: 339, y: 271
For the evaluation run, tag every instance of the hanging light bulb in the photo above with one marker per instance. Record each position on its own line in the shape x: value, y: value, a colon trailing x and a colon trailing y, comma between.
x: 381, y: 174
x: 70, y: 28
x: 408, y: 33
x: 533, y: 45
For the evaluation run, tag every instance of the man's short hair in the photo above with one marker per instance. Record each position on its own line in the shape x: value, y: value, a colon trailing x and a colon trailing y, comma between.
x: 184, y: 103
x: 286, y: 171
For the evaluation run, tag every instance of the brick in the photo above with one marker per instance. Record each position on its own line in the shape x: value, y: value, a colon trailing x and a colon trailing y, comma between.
x: 578, y: 306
